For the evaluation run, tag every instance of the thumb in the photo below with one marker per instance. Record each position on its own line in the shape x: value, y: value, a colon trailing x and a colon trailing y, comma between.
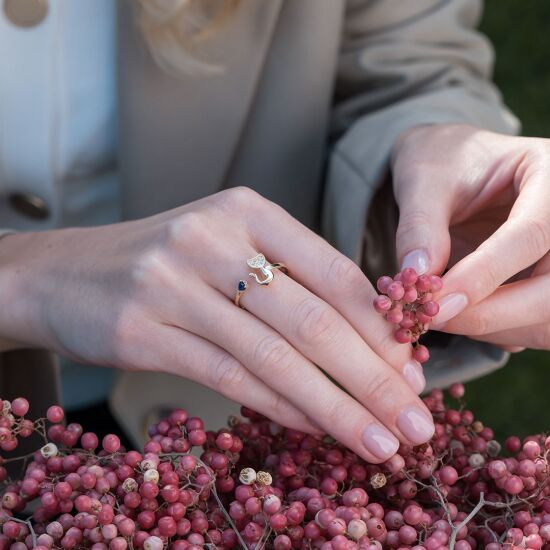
x: 423, y: 241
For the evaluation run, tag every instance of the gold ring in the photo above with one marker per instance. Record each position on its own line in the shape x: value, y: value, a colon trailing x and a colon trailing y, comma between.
x: 241, y: 289
x: 260, y: 263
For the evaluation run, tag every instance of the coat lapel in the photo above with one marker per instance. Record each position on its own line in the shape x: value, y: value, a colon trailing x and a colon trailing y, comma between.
x: 173, y: 127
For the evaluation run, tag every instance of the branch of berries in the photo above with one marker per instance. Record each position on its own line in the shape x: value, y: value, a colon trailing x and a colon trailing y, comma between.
x: 406, y: 302
x: 257, y: 485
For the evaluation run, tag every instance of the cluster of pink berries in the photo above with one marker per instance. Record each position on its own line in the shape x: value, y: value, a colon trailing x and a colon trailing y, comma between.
x: 406, y: 301
x: 258, y: 485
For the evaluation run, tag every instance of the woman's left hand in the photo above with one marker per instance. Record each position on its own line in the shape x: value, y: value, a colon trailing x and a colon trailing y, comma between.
x: 479, y: 202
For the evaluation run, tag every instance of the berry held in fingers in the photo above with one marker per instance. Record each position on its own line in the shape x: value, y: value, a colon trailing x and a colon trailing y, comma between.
x: 406, y: 302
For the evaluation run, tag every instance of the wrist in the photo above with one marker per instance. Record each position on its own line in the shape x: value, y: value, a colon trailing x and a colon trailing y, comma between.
x: 19, y: 304
x: 414, y: 133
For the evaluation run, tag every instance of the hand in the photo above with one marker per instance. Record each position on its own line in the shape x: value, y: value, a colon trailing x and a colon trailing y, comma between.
x: 157, y: 294
x: 479, y: 202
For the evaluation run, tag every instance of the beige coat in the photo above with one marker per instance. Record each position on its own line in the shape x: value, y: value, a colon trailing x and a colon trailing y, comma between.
x: 311, y: 99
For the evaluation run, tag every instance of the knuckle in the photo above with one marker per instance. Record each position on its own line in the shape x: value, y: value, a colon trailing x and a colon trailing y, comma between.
x: 189, y: 229
x: 382, y: 384
x: 149, y: 267
x: 345, y: 276
x: 271, y: 353
x: 411, y: 221
x: 238, y: 199
x: 538, y: 236
x: 477, y: 323
x: 315, y: 323
x: 226, y: 374
x: 278, y: 405
x: 335, y: 410
x: 487, y: 278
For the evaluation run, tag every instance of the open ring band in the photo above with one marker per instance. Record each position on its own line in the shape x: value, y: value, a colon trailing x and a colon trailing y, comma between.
x: 241, y: 289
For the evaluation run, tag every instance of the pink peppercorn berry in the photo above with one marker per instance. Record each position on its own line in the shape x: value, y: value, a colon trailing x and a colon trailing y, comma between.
x: 406, y: 302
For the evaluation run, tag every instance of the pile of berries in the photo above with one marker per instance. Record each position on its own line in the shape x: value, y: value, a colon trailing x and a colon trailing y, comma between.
x: 406, y: 301
x: 258, y: 485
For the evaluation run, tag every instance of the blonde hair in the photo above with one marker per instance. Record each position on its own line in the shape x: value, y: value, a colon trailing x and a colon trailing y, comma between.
x: 177, y: 30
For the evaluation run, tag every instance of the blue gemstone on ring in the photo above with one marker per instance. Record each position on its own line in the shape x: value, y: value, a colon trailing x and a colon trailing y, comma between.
x: 242, y: 286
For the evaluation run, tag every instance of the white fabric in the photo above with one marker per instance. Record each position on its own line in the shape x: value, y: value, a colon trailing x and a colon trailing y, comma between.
x: 57, y: 133
x: 57, y: 113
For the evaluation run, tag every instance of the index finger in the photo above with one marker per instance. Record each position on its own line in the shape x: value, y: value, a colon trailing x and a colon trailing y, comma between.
x: 516, y: 245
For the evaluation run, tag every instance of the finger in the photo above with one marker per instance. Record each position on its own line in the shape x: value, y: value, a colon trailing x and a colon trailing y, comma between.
x: 324, y: 337
x: 517, y: 244
x: 320, y: 333
x: 179, y: 352
x: 423, y: 241
x: 518, y: 304
x: 532, y: 337
x: 332, y: 277
x: 278, y: 364
x: 265, y: 354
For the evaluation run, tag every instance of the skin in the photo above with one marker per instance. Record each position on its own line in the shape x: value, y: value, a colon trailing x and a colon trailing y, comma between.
x: 156, y: 294
x: 480, y: 202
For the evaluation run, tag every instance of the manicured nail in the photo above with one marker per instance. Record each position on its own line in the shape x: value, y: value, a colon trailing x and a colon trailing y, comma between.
x: 415, y: 424
x: 418, y: 260
x: 379, y: 441
x: 449, y: 306
x: 412, y: 371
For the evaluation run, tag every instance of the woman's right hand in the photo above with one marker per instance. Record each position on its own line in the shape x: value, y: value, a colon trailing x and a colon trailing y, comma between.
x: 156, y: 294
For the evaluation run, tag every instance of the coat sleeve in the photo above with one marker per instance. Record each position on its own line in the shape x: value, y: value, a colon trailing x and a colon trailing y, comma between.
x: 402, y: 64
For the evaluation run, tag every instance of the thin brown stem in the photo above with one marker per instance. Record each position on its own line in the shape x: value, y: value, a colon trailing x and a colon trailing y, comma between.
x: 29, y: 525
x: 470, y: 516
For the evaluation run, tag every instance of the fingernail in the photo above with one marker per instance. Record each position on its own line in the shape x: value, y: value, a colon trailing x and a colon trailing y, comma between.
x: 415, y: 424
x: 418, y: 260
x: 379, y: 441
x: 449, y: 306
x: 412, y: 371
x: 513, y: 349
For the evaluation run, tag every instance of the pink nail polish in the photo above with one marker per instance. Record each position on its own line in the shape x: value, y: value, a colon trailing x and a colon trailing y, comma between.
x: 449, y: 306
x: 415, y: 424
x: 379, y: 441
x: 414, y: 375
x: 418, y: 260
